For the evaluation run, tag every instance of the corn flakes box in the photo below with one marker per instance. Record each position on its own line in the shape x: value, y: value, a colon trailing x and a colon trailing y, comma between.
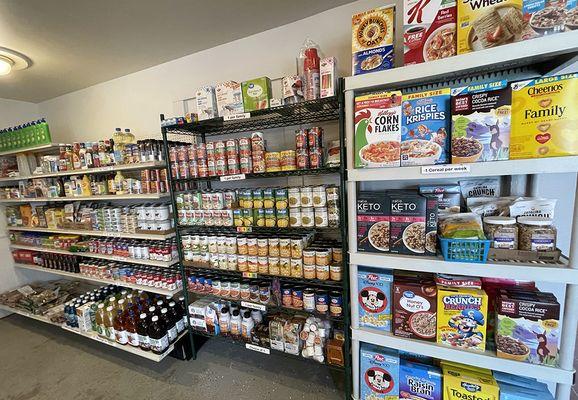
x: 378, y: 373
x: 461, y: 318
x: 461, y: 383
x: 372, y: 34
x: 374, y: 297
x: 544, y: 117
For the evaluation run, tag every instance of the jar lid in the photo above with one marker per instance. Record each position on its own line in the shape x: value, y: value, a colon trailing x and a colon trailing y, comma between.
x: 500, y: 220
x: 536, y: 221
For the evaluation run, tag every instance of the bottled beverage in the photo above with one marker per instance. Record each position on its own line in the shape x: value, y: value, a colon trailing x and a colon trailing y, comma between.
x: 170, y: 325
x: 247, y: 325
x: 122, y: 305
x: 119, y: 328
x: 100, y: 316
x: 119, y: 183
x: 109, y: 323
x: 184, y: 310
x: 235, y: 324
x: 130, y: 327
x: 158, y: 336
x: 225, y: 321
x: 142, y: 332
x: 177, y: 312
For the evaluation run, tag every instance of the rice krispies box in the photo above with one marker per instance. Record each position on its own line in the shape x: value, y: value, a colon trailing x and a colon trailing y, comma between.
x: 378, y: 373
x: 374, y: 296
x: 419, y: 381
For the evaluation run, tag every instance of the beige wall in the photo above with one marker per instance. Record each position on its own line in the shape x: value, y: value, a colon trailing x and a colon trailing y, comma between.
x: 14, y: 112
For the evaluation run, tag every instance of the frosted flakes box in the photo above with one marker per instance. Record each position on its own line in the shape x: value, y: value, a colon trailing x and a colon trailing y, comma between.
x: 229, y: 100
x: 378, y: 130
x: 481, y: 121
x: 425, y: 128
x: 429, y: 30
x: 372, y: 35
x: 378, y: 373
x: 419, y: 381
x: 374, y: 297
x: 544, y: 117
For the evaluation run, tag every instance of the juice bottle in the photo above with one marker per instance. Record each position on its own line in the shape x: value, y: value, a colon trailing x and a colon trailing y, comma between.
x: 82, y: 156
x: 119, y: 328
x: 112, y: 302
x: 130, y: 327
x: 177, y: 314
x: 119, y: 183
x: 247, y: 325
x: 85, y: 186
x: 170, y: 325
x: 184, y: 310
x: 109, y: 323
x: 122, y: 305
x: 99, y: 319
x: 142, y: 332
x: 225, y: 321
x: 158, y: 336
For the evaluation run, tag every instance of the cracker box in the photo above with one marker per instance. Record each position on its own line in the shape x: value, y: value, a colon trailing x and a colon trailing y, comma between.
x: 372, y: 36
x: 229, y: 101
x: 206, y: 102
x: 378, y: 130
x: 374, y: 296
x: 328, y: 76
x: 419, y: 381
x: 256, y: 94
x: 461, y: 318
x: 429, y: 30
x: 373, y: 222
x: 407, y: 224
x: 461, y: 383
x: 378, y: 373
x: 545, y: 116
x: 414, y: 309
x: 485, y: 24
x: 481, y: 122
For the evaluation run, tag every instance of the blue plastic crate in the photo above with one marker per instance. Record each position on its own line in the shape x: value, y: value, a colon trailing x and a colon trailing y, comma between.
x: 465, y: 250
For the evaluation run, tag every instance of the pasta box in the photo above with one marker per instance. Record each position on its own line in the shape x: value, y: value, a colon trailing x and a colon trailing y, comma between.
x: 378, y: 130
x: 256, y: 94
x: 407, y: 224
x: 429, y: 30
x: 372, y: 36
x: 374, y: 296
x: 481, y: 122
x: 372, y: 222
x: 414, y: 308
x: 378, y: 373
x: 419, y: 381
x: 426, y: 124
x: 229, y: 101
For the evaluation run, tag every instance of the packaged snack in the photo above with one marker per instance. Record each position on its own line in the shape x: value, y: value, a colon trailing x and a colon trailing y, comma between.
x: 372, y: 37
x: 544, y: 117
x: 431, y: 224
x: 429, y: 30
x: 488, y: 187
x: 463, y: 383
x: 461, y: 226
x: 328, y: 76
x: 378, y: 373
x: 461, y: 318
x: 373, y: 210
x: 414, y: 309
x: 481, y: 122
x: 425, y: 128
x: 378, y: 130
x: 489, y: 206
x: 229, y: 101
x: 407, y: 223
x: 206, y: 102
x: 256, y: 94
x: 526, y: 207
x: 449, y: 199
x: 374, y: 287
x: 292, y: 89
x: 419, y: 381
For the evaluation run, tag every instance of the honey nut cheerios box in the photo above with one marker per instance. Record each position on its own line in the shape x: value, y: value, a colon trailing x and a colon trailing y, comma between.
x: 374, y: 296
x: 462, y: 318
x: 544, y: 117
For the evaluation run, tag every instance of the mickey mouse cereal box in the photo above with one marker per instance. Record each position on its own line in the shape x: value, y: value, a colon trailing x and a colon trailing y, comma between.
x: 374, y: 289
x: 378, y: 373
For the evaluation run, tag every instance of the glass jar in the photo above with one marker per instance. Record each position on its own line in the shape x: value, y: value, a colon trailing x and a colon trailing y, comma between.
x: 502, y: 231
x: 536, y: 234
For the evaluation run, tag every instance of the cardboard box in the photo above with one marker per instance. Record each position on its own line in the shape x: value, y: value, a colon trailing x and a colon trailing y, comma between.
x: 407, y: 222
x: 373, y: 210
x: 378, y: 373
x: 328, y: 76
x: 292, y: 89
x: 414, y: 309
x: 463, y: 383
x: 229, y: 99
x: 374, y: 286
x: 431, y: 225
x: 206, y: 103
x: 419, y: 381
x: 372, y: 36
x: 256, y: 94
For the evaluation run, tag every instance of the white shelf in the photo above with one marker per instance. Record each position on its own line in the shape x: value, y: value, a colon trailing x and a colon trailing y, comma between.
x: 78, y: 276
x: 479, y: 62
x: 480, y: 359
x: 492, y: 168
x: 540, y: 272
x: 149, y: 196
x: 165, y: 264
x: 124, y: 235
x: 42, y: 147
x: 112, y: 168
x: 28, y: 315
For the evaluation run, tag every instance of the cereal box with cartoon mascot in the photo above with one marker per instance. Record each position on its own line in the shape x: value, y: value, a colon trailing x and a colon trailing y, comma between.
x: 378, y: 373
x: 374, y: 296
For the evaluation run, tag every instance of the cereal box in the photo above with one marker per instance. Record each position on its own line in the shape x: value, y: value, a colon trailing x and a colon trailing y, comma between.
x: 517, y: 380
x: 514, y: 392
x: 374, y: 288
x: 419, y: 381
x: 545, y: 116
x: 461, y: 318
x: 373, y: 221
x: 425, y: 128
x: 378, y: 373
x: 414, y: 309
x: 378, y: 130
x: 548, y: 17
x: 429, y: 30
x: 372, y: 37
x: 229, y: 101
x: 462, y: 383
x: 206, y: 102
x: 407, y: 224
x: 481, y: 122
x: 485, y: 24
x: 256, y: 94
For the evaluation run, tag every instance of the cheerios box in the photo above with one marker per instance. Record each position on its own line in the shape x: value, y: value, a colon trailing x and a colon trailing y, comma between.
x: 374, y: 297
x: 462, y: 318
x: 544, y: 117
x: 419, y: 381
x: 461, y: 383
x: 378, y: 373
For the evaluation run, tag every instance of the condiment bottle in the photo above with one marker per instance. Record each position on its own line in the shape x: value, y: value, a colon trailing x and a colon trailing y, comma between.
x: 142, y: 332
x: 158, y: 335
x: 235, y: 324
x: 119, y: 328
x: 247, y: 325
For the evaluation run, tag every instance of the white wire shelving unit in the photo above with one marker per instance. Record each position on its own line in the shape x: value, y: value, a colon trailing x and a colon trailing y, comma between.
x: 542, y: 56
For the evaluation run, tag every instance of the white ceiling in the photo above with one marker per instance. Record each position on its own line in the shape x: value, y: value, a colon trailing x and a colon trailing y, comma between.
x: 74, y: 44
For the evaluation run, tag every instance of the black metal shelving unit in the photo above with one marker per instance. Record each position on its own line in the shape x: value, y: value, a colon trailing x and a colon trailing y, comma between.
x: 297, y: 115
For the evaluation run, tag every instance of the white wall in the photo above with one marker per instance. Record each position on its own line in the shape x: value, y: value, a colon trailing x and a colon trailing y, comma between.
x: 14, y: 112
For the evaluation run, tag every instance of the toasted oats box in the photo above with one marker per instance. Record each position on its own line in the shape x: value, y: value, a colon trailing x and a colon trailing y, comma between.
x: 464, y: 383
x: 374, y: 296
x: 372, y: 36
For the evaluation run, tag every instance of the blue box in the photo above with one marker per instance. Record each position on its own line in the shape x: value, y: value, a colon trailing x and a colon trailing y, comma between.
x: 516, y: 380
x: 513, y: 392
x: 374, y: 297
x: 419, y: 381
x: 378, y: 373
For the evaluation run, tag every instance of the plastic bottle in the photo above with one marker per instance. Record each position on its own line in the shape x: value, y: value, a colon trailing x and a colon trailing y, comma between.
x: 170, y: 324
x: 183, y: 308
x: 120, y: 332
x: 119, y: 183
x: 311, y: 74
x: 158, y: 336
x: 176, y: 313
x: 235, y: 324
x: 100, y: 316
x: 130, y: 327
x: 142, y: 332
x: 225, y: 321
x: 109, y: 323
x: 247, y: 325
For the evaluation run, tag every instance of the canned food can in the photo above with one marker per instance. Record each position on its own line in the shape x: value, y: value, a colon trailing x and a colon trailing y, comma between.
x: 309, y: 271
x: 315, y: 158
x: 273, y: 244
x: 281, y: 198
x: 295, y: 217
x: 259, y: 165
x: 245, y: 291
x: 246, y: 164
x: 282, y: 216
x: 335, y: 272
x: 270, y: 218
x: 321, y: 301
x: 315, y: 137
x: 319, y: 196
x: 211, y: 167
x: 296, y: 268
x: 201, y: 151
x: 307, y: 217
x: 274, y: 266
x: 335, y: 304
x: 307, y: 196
x: 203, y: 168
x: 272, y: 161
x: 287, y: 161
x: 233, y: 167
x: 287, y: 296
x: 254, y: 292
x: 333, y: 217
x: 221, y: 167
x: 297, y: 297
x: 268, y: 197
x: 301, y: 139
x: 294, y: 194
x: 284, y: 266
x: 257, y: 198
x: 302, y: 159
x: 244, y: 144
x: 232, y: 148
x: 220, y: 149
x: 309, y: 300
x: 257, y: 142
x: 321, y: 217
x: 259, y: 217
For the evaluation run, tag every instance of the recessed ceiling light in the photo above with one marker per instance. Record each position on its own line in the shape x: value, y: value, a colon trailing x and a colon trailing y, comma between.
x: 11, y: 60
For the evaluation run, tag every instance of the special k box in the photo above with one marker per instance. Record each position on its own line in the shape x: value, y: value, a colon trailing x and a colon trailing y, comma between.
x: 544, y: 117
x: 429, y: 30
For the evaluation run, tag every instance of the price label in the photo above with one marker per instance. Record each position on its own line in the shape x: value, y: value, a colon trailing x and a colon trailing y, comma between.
x: 244, y: 229
x: 258, y: 349
x: 445, y: 169
x: 254, y: 306
x: 250, y: 275
x: 234, y: 117
x: 118, y: 258
x: 228, y: 178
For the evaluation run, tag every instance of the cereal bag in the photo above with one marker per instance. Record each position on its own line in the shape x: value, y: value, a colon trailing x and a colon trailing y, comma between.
x: 374, y: 288
x: 378, y: 373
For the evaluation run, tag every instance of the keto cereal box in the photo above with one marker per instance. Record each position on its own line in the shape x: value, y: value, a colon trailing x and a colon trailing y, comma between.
x: 425, y: 128
x: 378, y: 373
x: 407, y: 224
x: 464, y: 383
x: 372, y: 221
x: 419, y: 381
x: 484, y: 24
x: 545, y: 116
x: 429, y: 30
x: 461, y: 318
x: 372, y: 37
x: 481, y: 122
x: 229, y: 100
x: 256, y: 94
x: 374, y: 289
x: 378, y: 130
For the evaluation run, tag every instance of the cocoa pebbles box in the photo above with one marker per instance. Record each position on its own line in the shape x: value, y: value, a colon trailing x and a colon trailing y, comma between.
x: 429, y: 30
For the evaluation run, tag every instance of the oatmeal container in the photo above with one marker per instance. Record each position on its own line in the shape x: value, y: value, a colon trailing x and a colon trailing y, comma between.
x: 319, y: 196
x: 321, y: 217
x: 306, y: 196
x: 502, y: 231
x: 536, y: 234
x: 307, y: 217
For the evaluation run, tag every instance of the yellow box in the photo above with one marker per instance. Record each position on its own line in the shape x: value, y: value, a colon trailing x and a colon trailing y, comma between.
x: 544, y: 117
x: 461, y: 318
x: 454, y: 365
x: 461, y: 383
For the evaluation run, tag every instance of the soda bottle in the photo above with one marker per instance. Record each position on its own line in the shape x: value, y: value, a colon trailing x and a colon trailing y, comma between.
x: 170, y: 324
x: 100, y: 315
x: 130, y: 327
x: 142, y: 332
x: 159, y: 339
x: 119, y: 328
x: 177, y: 314
x: 109, y: 323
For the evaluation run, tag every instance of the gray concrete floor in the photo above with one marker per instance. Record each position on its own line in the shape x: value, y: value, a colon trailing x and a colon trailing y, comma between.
x: 39, y: 361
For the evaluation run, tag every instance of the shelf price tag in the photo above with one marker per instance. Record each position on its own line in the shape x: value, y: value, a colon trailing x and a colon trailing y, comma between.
x: 236, y: 177
x: 250, y: 275
x: 235, y: 117
x: 445, y: 169
x: 118, y: 258
x: 244, y: 229
x: 258, y: 349
x: 254, y: 306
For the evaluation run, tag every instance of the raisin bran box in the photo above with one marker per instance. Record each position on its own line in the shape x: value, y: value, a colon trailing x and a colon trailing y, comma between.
x: 373, y: 222
x: 374, y: 296
x: 419, y: 381
x: 407, y: 222
x: 378, y: 373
